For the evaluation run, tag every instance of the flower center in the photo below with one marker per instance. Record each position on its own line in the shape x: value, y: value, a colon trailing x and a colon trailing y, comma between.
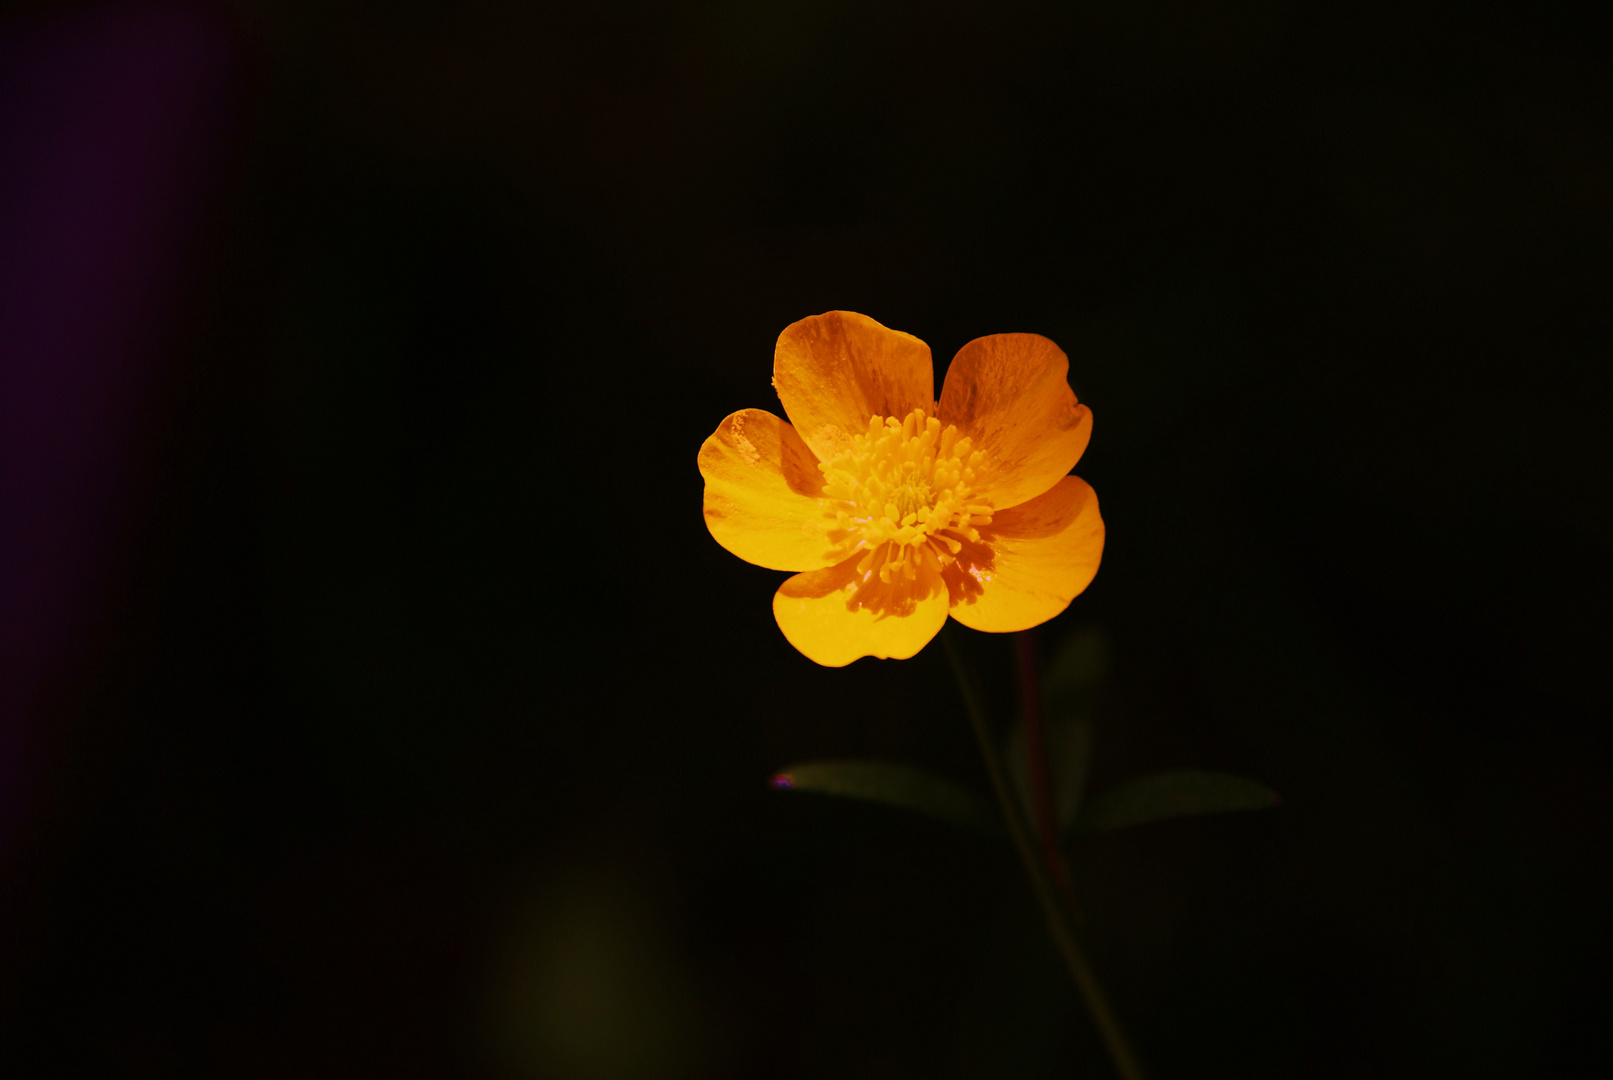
x: 904, y: 494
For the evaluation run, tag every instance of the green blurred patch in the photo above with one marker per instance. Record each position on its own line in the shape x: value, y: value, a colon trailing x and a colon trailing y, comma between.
x: 590, y: 986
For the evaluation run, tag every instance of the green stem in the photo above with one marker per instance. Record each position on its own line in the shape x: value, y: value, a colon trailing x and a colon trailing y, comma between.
x: 1058, y: 923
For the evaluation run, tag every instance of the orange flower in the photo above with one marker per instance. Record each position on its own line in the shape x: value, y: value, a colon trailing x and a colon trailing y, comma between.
x: 898, y: 510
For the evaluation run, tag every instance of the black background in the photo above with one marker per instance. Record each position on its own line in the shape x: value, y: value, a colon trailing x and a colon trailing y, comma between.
x: 428, y: 731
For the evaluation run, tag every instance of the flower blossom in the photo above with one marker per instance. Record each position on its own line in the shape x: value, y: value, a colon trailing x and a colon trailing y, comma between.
x: 896, y: 510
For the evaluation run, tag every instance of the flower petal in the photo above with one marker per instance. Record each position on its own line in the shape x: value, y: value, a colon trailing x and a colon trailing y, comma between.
x: 834, y: 371
x: 833, y: 622
x: 1032, y: 560
x: 1010, y: 393
x: 762, y: 487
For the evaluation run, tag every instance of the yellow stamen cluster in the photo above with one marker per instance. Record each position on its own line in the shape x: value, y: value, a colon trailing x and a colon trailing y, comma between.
x: 904, y: 494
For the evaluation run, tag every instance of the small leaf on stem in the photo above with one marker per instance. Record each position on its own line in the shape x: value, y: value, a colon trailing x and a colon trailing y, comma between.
x: 1069, y: 747
x: 1071, y: 685
x: 1078, y: 669
x: 1178, y: 793
x: 896, y: 785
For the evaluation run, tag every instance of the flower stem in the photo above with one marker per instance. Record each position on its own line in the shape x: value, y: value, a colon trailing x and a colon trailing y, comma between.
x: 1058, y: 921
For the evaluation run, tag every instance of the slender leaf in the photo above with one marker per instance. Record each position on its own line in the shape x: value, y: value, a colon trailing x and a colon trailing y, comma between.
x: 1077, y: 670
x: 1017, y: 761
x: 1174, y: 794
x: 1071, y: 684
x: 895, y: 785
x: 1069, y: 746
x: 1071, y: 750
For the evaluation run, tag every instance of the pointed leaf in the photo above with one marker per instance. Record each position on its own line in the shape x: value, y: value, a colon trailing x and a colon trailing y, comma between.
x: 1071, y: 750
x: 896, y: 785
x: 1077, y: 670
x: 1069, y: 746
x: 1174, y: 794
x: 1075, y: 677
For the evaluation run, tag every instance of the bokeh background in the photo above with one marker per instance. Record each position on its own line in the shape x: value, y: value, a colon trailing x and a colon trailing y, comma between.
x: 376, y: 703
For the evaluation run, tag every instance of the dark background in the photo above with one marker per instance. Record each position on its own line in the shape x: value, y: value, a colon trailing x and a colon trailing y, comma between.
x: 401, y: 718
